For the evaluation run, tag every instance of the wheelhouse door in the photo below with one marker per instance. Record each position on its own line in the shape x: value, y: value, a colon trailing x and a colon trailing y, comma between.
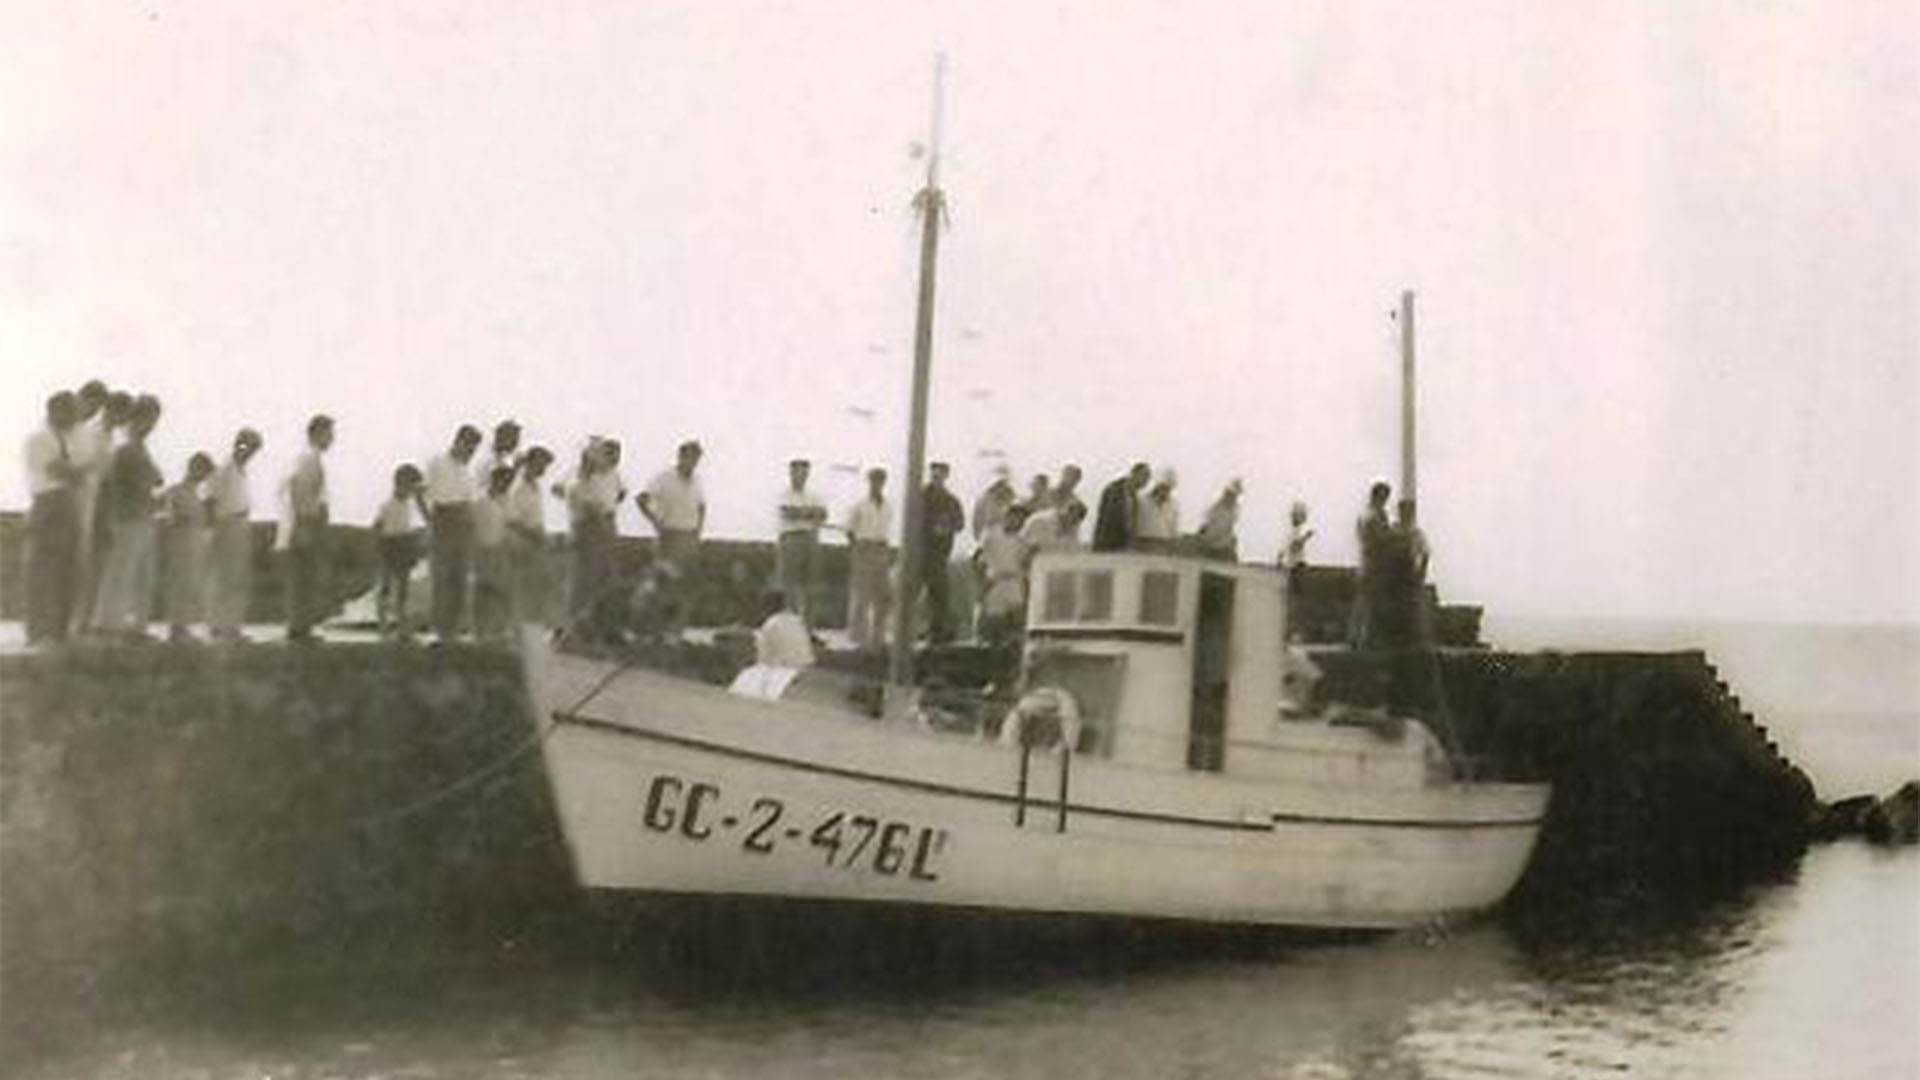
x: 1212, y: 639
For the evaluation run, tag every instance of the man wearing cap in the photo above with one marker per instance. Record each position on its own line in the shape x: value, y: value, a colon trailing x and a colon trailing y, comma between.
x: 676, y: 507
x: 868, y: 592
x: 450, y: 496
x: 230, y: 577
x: 305, y: 531
x: 800, y: 515
x: 53, y: 522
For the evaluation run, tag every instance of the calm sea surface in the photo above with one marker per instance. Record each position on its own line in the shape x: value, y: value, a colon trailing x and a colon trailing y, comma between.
x: 1818, y: 976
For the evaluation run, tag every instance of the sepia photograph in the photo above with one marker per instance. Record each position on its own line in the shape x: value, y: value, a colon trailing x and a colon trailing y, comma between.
x: 1116, y: 538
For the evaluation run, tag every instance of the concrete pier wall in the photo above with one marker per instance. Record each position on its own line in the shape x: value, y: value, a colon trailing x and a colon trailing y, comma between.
x: 1663, y: 783
x: 162, y: 805
x: 168, y: 804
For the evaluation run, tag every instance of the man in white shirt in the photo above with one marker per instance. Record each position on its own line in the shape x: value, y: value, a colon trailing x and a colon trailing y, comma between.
x: 527, y: 526
x: 1294, y: 556
x: 450, y: 497
x: 801, y: 514
x: 1158, y: 521
x: 593, y: 501
x: 869, y: 590
x: 1219, y: 527
x: 1054, y: 529
x: 90, y: 445
x: 230, y: 582
x: 991, y: 507
x: 1066, y: 493
x: 306, y: 532
x: 1003, y: 558
x: 493, y: 559
x: 53, y: 522
x: 676, y: 507
x: 503, y: 453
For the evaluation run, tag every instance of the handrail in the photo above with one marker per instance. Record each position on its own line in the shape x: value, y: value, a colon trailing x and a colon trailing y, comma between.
x: 1066, y: 768
x: 1020, y: 796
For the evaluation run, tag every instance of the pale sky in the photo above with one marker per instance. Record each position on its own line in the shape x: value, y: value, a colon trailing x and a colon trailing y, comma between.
x: 1667, y: 255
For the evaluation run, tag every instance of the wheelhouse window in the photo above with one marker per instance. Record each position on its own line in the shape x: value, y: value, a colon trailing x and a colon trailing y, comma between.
x: 1096, y: 596
x: 1057, y: 605
x: 1159, y: 598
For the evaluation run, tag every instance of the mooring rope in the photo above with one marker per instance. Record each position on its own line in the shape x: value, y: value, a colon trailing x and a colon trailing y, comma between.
x: 473, y: 777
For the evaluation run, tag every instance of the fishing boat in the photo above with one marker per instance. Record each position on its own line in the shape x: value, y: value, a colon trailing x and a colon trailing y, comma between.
x: 1171, y: 782
x: 1153, y: 764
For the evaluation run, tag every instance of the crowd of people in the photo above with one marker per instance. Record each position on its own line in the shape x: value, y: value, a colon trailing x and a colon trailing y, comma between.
x: 103, y: 522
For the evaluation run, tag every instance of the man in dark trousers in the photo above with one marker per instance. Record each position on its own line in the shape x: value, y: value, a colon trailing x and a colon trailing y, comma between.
x: 1119, y: 502
x: 942, y: 518
x: 450, y: 495
x: 53, y: 523
x: 1374, y: 531
x: 305, y: 533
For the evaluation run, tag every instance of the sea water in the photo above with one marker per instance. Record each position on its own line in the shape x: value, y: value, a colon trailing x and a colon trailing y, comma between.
x: 1814, y: 976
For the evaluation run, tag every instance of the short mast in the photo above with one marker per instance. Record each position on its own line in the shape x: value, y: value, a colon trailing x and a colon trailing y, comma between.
x: 931, y: 204
x: 1408, y: 478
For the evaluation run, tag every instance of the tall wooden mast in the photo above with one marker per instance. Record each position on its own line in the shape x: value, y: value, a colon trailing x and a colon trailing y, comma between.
x: 932, y: 205
x: 1408, y: 478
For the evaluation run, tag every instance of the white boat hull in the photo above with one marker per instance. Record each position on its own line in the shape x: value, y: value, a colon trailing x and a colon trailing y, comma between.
x: 668, y: 785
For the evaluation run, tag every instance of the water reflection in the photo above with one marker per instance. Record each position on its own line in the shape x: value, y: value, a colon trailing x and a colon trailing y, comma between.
x: 1608, y: 992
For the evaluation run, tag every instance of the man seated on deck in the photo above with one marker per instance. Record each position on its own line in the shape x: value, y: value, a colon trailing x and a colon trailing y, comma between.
x: 1299, y: 680
x: 782, y: 650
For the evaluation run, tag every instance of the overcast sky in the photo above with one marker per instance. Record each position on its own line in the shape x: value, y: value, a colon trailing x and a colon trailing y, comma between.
x: 1668, y: 257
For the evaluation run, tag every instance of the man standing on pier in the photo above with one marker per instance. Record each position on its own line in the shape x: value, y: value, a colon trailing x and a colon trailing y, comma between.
x: 676, y: 507
x: 125, y: 597
x: 230, y: 571
x: 451, y: 492
x: 1374, y: 532
x: 1066, y: 497
x: 868, y: 588
x: 90, y: 446
x: 1119, y: 509
x: 53, y: 522
x: 593, y: 503
x: 304, y: 532
x: 942, y: 518
x: 527, y: 526
x: 1219, y: 528
x: 991, y: 507
x: 503, y: 454
x: 801, y: 514
x: 1156, y: 518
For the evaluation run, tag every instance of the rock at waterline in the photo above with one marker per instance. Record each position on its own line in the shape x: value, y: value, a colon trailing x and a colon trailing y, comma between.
x: 1894, y: 819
